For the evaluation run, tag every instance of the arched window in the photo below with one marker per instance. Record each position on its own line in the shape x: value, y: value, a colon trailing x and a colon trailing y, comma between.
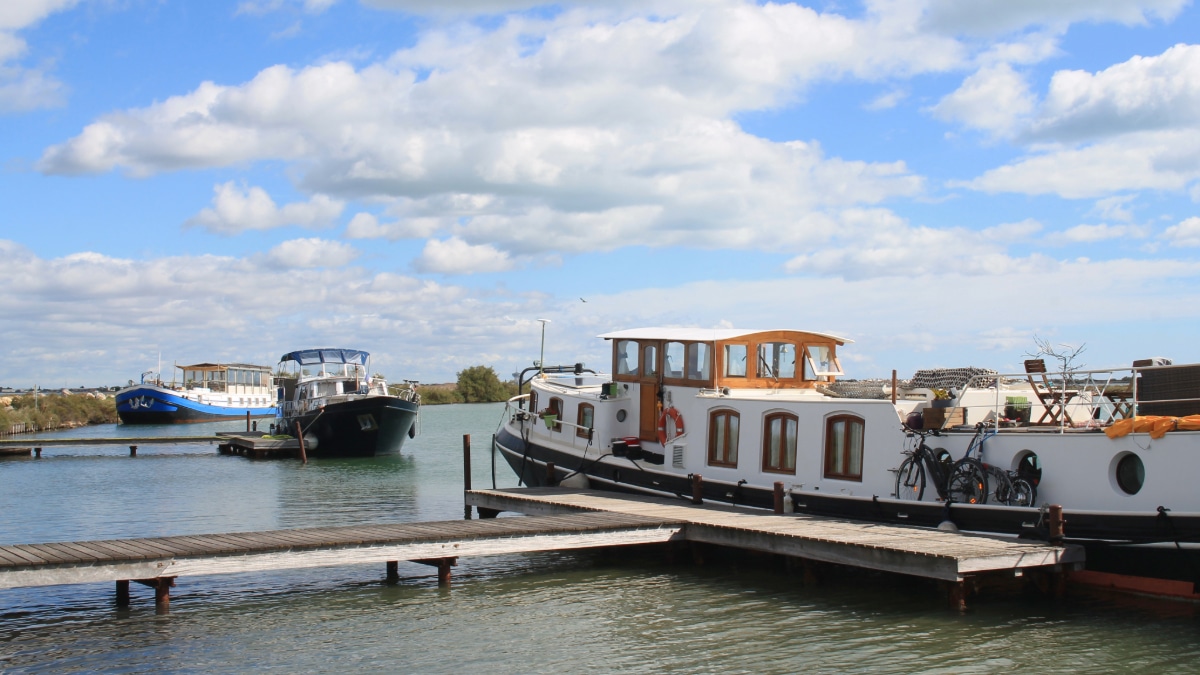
x: 723, y: 427
x: 585, y: 419
x: 844, y: 447
x: 779, y: 443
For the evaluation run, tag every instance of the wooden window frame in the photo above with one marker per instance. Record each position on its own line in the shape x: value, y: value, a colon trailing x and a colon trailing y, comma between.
x: 712, y: 437
x: 830, y: 450
x: 636, y: 373
x: 555, y: 406
x: 784, y: 417
x: 584, y: 430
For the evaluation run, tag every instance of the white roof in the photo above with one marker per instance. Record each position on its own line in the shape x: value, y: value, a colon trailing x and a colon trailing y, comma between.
x: 701, y: 334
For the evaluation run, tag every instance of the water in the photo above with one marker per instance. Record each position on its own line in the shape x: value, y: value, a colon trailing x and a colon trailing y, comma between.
x: 546, y: 613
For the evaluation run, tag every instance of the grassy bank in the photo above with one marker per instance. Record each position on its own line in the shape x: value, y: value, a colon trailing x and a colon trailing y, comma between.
x: 55, y: 411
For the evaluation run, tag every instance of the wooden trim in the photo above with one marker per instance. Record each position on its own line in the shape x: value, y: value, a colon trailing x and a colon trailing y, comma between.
x: 584, y: 433
x: 827, y: 456
x: 766, y: 439
x: 712, y: 436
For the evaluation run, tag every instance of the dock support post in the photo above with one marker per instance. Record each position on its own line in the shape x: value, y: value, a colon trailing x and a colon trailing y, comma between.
x: 551, y: 480
x: 697, y: 489
x: 300, y: 440
x: 443, y: 566
x: 162, y: 591
x: 956, y: 593
x: 1056, y: 524
x: 467, y: 473
x: 393, y: 571
x: 778, y: 496
x: 122, y: 593
x: 133, y: 451
x: 37, y: 452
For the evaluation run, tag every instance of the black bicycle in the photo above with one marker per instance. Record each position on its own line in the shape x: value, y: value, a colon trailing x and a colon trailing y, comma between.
x: 1008, y: 487
x: 963, y: 482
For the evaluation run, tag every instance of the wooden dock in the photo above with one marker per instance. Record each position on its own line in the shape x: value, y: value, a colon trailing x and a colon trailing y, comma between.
x: 260, y: 447
x: 10, y: 446
x: 158, y: 561
x: 924, y: 552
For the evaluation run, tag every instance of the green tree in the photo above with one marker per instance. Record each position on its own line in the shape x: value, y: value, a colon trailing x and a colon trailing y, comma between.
x: 480, y: 384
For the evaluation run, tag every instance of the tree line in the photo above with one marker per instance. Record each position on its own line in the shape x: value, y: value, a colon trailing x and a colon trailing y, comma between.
x: 53, y: 411
x: 477, y: 384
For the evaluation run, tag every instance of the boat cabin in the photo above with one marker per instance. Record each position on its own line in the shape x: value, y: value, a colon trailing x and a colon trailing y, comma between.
x: 233, y: 378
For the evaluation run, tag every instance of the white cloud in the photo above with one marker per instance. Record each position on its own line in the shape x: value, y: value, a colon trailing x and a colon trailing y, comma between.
x: 995, y: 99
x: 310, y: 253
x: 367, y: 226
x: 237, y: 209
x: 1185, y: 233
x: 1090, y: 234
x: 22, y: 88
x: 455, y: 256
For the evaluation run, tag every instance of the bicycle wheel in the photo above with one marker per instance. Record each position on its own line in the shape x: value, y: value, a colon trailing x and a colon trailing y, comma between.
x: 1023, y: 493
x: 968, y: 482
x: 1002, y: 487
x: 910, y: 480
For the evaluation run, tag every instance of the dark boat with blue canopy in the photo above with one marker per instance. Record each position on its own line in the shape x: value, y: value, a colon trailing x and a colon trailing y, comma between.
x: 328, y: 397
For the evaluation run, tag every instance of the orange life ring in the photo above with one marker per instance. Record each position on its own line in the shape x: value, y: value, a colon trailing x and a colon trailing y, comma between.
x: 662, y: 424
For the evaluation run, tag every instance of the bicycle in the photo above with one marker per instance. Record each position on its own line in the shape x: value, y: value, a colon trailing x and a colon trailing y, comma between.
x: 964, y: 481
x: 1008, y: 487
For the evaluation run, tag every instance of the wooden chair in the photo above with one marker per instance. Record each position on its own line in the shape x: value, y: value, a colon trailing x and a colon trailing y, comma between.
x: 1054, y: 401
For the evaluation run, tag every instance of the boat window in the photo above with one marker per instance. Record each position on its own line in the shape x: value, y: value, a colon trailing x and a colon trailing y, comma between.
x: 779, y: 443
x: 735, y: 360
x: 723, y: 427
x: 844, y: 447
x: 777, y: 360
x: 649, y: 360
x: 555, y: 408
x: 585, y: 419
x: 699, y: 361
x: 533, y: 402
x: 627, y: 357
x: 673, y: 360
x: 820, y: 363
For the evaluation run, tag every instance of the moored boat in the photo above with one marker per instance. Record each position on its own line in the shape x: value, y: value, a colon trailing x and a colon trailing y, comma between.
x: 747, y: 410
x: 207, y: 392
x: 329, y: 398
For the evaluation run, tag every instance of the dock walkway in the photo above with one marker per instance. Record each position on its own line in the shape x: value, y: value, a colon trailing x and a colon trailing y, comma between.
x: 917, y: 551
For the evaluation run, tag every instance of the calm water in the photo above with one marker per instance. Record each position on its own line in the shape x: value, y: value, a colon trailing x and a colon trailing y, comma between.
x: 554, y: 613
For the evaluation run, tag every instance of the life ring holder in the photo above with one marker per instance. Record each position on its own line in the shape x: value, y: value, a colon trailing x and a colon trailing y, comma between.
x: 662, y: 425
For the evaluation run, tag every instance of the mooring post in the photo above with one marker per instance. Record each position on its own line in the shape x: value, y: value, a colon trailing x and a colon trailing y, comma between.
x: 467, y: 473
x: 697, y: 489
x: 133, y: 451
x: 393, y: 571
x: 778, y: 496
x: 37, y: 452
x: 551, y: 480
x: 300, y: 439
x: 1056, y: 524
x: 893, y: 387
x: 122, y: 593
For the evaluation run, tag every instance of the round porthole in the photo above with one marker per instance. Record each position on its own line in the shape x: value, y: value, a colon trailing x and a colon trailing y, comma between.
x: 621, y: 415
x: 1131, y: 474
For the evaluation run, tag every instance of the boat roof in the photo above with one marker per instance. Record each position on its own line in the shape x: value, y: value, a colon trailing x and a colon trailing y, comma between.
x: 705, y: 334
x: 222, y: 366
x: 306, y: 357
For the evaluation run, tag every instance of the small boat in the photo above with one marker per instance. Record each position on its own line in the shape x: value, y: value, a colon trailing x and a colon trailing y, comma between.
x: 208, y: 392
x: 328, y: 398
x: 756, y: 413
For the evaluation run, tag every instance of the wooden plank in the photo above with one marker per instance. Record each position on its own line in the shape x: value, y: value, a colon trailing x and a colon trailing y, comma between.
x: 23, y: 557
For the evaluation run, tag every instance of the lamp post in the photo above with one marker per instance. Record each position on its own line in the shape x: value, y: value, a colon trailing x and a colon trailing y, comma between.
x: 542, y: 358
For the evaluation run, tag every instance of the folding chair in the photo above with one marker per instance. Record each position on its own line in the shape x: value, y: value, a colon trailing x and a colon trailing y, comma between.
x: 1053, y: 400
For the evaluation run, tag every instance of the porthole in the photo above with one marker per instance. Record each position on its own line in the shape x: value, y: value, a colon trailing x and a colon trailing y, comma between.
x: 1131, y: 474
x: 621, y: 415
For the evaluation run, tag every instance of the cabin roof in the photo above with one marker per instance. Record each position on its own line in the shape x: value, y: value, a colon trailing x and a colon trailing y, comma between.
x: 307, y: 357
x: 705, y: 334
x: 222, y: 366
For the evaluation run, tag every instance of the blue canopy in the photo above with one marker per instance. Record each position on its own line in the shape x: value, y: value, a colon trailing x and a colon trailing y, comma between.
x: 308, y: 357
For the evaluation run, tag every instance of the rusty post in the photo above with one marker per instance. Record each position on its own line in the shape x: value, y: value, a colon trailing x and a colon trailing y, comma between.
x: 893, y: 387
x: 393, y: 571
x: 444, y: 566
x: 466, y: 473
x: 133, y: 451
x: 1056, y: 524
x: 551, y: 479
x: 778, y: 496
x: 300, y: 439
x: 697, y: 489
x: 956, y: 594
x: 122, y: 593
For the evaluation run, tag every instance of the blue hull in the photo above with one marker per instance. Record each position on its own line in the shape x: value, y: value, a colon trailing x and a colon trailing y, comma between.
x: 154, y: 405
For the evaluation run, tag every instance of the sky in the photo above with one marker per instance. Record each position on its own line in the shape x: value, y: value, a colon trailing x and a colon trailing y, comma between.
x: 944, y: 183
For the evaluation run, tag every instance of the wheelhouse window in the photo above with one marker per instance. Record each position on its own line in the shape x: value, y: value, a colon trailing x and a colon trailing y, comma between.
x: 820, y: 363
x: 779, y: 443
x: 556, y: 408
x: 723, y: 427
x: 673, y: 360
x: 844, y: 447
x: 627, y: 357
x: 735, y: 360
x: 585, y: 419
x: 777, y: 360
x: 649, y: 360
x: 699, y: 361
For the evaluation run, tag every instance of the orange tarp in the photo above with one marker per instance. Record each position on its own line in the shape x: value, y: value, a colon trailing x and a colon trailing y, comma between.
x: 1154, y: 425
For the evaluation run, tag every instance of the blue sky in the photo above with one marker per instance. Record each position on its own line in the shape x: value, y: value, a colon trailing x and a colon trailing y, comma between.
x: 939, y: 181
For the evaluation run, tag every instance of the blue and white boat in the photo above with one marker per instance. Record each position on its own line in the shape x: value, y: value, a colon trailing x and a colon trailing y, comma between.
x: 208, y: 392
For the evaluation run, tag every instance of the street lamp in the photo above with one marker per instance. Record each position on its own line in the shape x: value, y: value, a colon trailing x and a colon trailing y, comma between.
x: 542, y: 359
